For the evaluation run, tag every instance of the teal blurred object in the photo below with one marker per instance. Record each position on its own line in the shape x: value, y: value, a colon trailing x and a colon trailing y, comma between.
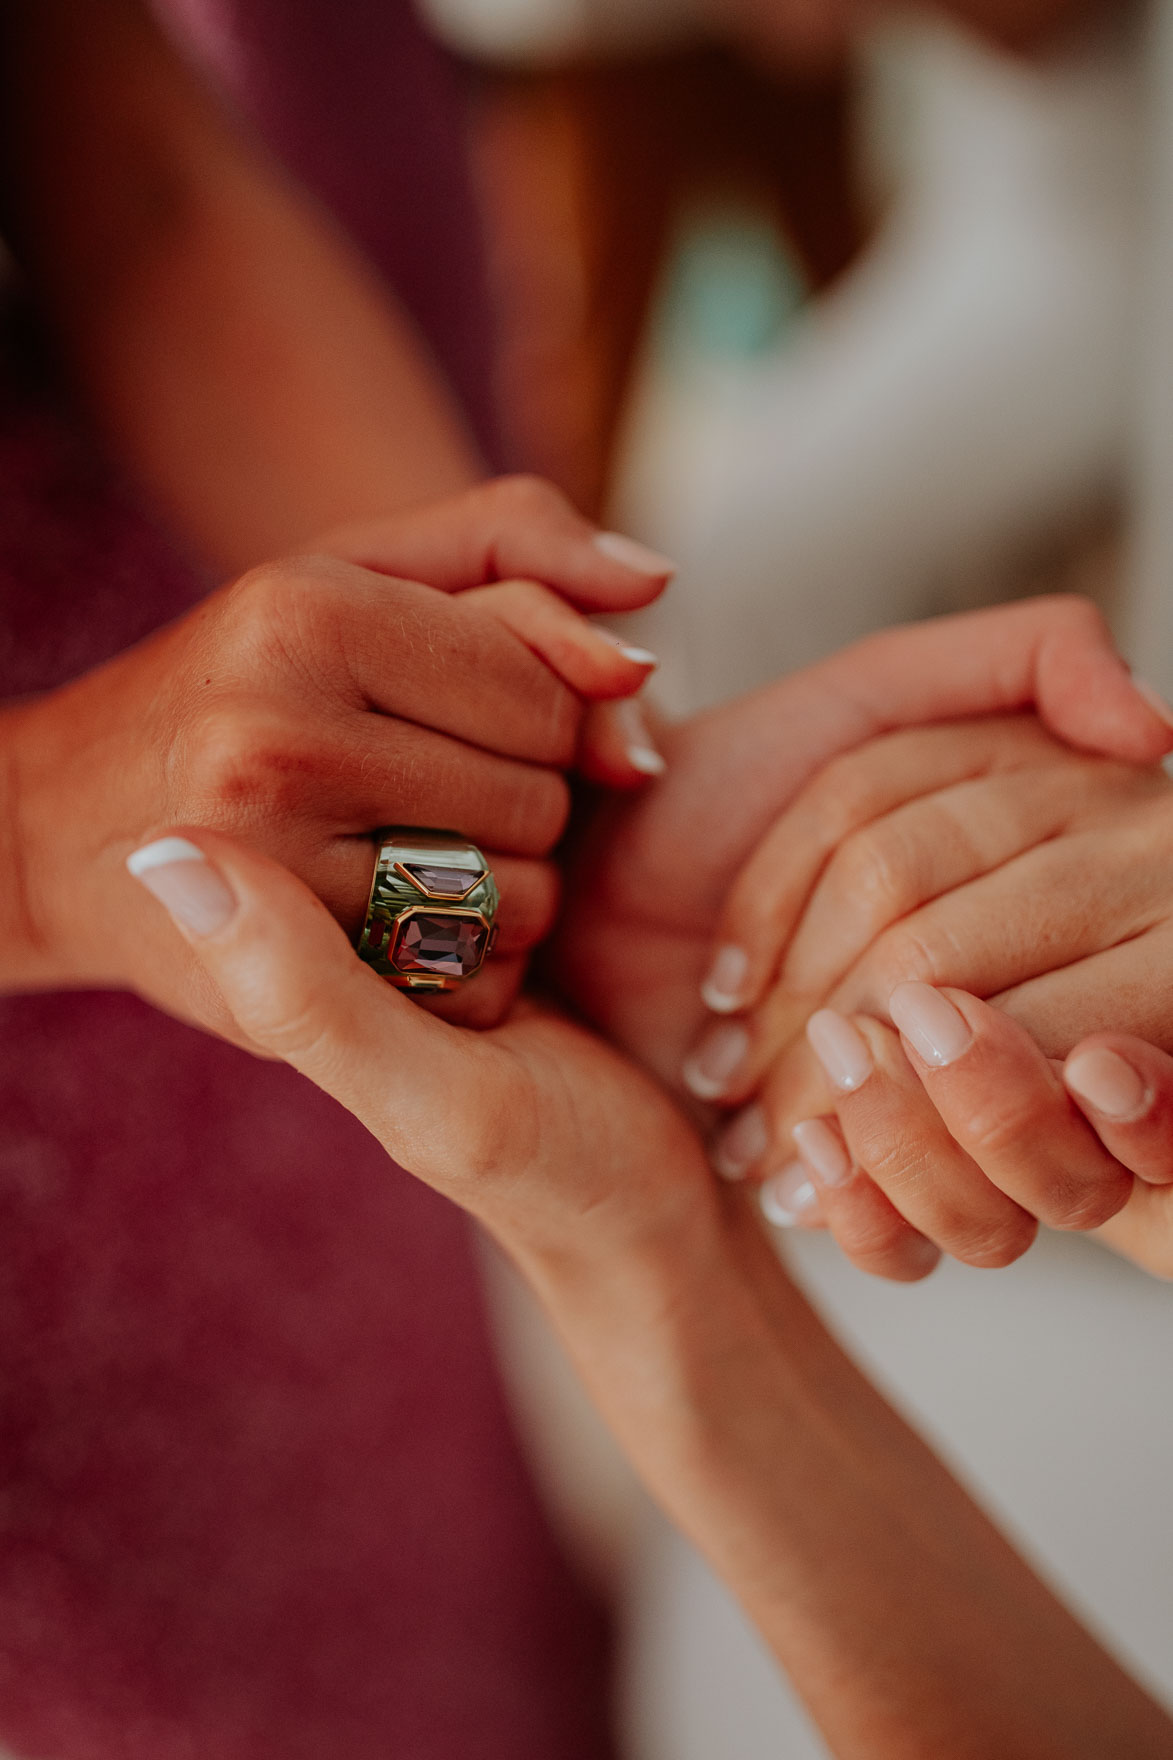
x: 732, y: 289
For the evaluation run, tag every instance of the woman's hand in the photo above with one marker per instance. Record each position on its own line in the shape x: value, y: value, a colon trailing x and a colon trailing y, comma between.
x: 1023, y: 859
x: 550, y: 1138
x: 815, y: 1502
x: 309, y: 703
x: 649, y: 878
x: 998, y: 1135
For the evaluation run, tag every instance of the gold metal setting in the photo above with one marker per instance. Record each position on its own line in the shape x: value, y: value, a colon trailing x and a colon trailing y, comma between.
x: 417, y: 892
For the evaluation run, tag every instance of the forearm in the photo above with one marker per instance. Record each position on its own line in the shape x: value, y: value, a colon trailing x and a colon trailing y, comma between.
x: 236, y: 350
x: 906, y: 1622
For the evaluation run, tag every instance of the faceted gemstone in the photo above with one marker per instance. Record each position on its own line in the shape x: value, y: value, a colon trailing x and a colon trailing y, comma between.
x: 455, y: 881
x: 445, y: 946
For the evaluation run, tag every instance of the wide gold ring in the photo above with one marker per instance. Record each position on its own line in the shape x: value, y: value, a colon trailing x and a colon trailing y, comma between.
x: 431, y: 915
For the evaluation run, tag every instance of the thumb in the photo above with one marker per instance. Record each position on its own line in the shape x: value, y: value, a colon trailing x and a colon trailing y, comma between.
x: 437, y: 1097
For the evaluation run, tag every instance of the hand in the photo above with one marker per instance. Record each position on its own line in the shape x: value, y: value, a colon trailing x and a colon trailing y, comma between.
x: 1003, y: 1135
x: 307, y: 704
x: 548, y: 1136
x: 818, y: 1506
x: 649, y: 877
x: 1052, y: 858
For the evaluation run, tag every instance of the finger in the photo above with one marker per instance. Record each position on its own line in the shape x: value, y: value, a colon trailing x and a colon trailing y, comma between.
x: 1110, y: 991
x: 1124, y: 1088
x: 912, y: 856
x: 1043, y: 910
x: 394, y: 773
x: 529, y: 894
x: 515, y: 526
x: 592, y: 661
x: 430, y: 1094
x: 484, y: 1001
x: 450, y: 664
x: 853, y: 791
x: 894, y: 1133
x: 617, y: 748
x: 1053, y: 653
x: 1004, y: 1105
x: 866, y: 1226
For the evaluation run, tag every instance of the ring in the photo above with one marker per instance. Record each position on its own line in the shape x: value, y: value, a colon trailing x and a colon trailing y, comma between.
x: 431, y: 915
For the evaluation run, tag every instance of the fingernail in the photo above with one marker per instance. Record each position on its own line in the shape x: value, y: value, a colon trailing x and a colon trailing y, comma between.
x: 637, y: 656
x: 186, y: 884
x: 721, y: 990
x: 741, y: 1144
x: 822, y: 1152
x: 840, y: 1048
x: 936, y: 1030
x: 1107, y: 1082
x: 641, y: 752
x: 789, y: 1197
x: 716, y: 1061
x: 631, y: 555
x: 1154, y: 699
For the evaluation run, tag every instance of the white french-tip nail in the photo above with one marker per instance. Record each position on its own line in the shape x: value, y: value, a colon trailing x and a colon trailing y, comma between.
x: 721, y: 990
x: 641, y: 753
x: 190, y: 889
x: 161, y: 854
x: 631, y: 555
x: 741, y: 1144
x: 637, y: 656
x: 788, y: 1198
x: 710, y: 1069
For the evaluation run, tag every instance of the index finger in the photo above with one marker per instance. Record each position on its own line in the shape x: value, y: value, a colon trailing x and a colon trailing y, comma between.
x: 515, y: 526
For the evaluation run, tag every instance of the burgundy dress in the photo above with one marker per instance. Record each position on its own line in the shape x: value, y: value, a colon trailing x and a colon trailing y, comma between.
x: 260, y: 1498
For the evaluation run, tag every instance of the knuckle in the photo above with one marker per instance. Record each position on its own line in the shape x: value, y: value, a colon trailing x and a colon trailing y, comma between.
x: 995, y: 1245
x: 1007, y: 1124
x: 1077, y: 1206
x: 871, y: 869
x: 240, y: 756
x: 901, y: 955
x: 524, y: 494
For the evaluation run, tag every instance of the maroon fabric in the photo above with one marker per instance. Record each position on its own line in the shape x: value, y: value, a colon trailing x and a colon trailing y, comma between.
x: 259, y: 1494
x: 360, y: 106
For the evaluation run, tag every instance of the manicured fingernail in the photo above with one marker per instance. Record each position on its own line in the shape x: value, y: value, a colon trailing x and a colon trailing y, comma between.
x: 741, y: 1144
x: 631, y: 555
x: 938, y: 1032
x: 716, y: 1060
x: 789, y: 1197
x: 840, y: 1048
x: 721, y: 990
x: 186, y: 884
x: 1154, y: 699
x: 641, y: 752
x: 1108, y: 1083
x: 637, y: 656
x: 822, y: 1152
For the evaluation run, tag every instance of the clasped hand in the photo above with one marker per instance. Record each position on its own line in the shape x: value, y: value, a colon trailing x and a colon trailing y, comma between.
x: 835, y: 878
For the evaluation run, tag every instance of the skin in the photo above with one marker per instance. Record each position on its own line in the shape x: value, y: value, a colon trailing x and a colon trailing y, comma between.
x: 648, y: 880
x: 974, y: 859
x: 311, y: 701
x: 909, y: 1626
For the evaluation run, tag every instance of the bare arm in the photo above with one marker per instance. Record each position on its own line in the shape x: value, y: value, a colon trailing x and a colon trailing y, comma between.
x: 910, y: 1627
x: 239, y: 355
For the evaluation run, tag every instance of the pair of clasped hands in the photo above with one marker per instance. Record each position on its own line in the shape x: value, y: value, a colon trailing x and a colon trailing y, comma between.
x: 842, y: 866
